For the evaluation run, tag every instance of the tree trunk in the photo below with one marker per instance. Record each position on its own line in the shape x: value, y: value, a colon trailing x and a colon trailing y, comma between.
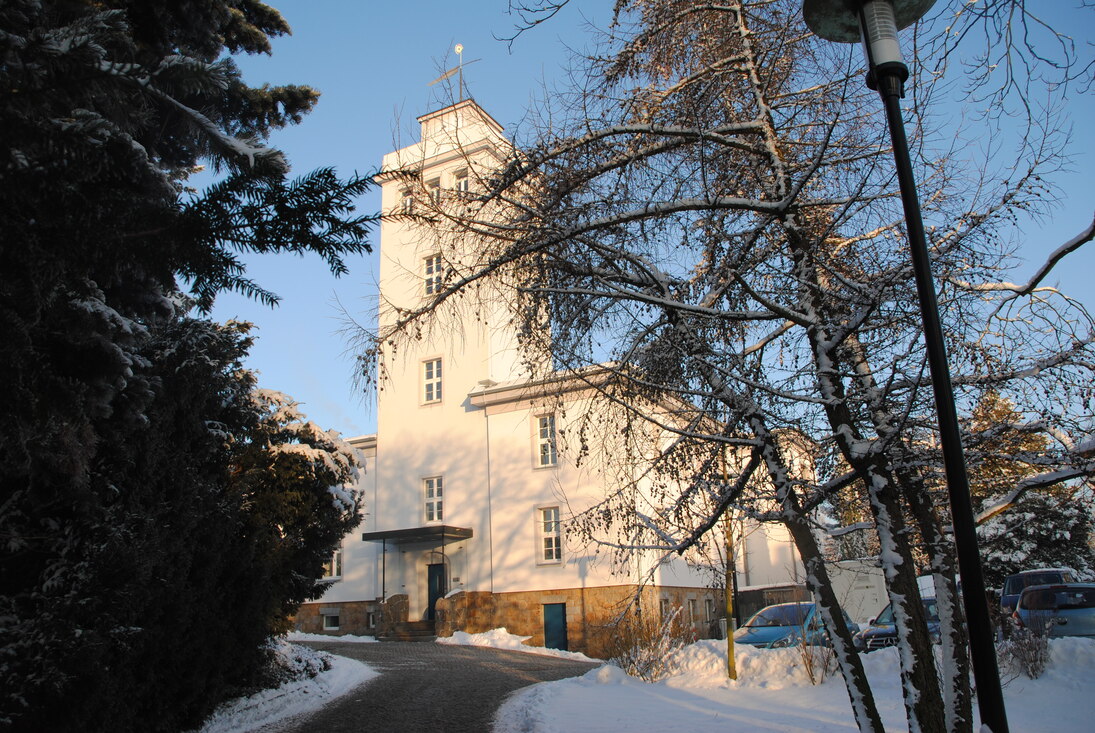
x: 918, y: 675
x: 958, y: 705
x: 817, y: 581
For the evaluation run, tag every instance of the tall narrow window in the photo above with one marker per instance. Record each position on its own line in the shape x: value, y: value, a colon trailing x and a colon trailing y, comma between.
x: 460, y: 182
x: 551, y: 536
x: 546, y: 453
x: 333, y: 567
x: 406, y: 201
x: 433, y: 188
x: 431, y: 380
x: 434, y: 488
x: 431, y: 274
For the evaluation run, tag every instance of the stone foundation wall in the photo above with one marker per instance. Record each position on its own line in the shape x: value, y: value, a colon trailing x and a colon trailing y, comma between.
x: 395, y: 610
x: 353, y: 617
x: 591, y: 613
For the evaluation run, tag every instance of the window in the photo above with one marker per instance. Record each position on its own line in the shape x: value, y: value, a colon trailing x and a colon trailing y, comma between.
x: 406, y: 201
x: 433, y: 188
x: 431, y: 274
x: 709, y: 609
x: 330, y: 622
x: 333, y: 567
x: 692, y: 616
x: 431, y: 380
x: 546, y: 454
x: 433, y: 488
x: 460, y: 182
x: 551, y: 537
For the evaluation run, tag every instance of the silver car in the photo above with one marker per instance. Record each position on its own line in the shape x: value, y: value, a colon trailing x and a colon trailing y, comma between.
x: 1062, y: 609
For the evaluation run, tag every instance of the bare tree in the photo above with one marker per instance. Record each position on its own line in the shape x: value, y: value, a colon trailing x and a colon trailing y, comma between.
x: 713, y: 220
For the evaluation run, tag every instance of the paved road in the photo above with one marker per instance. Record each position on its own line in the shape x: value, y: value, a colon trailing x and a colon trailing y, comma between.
x: 431, y: 688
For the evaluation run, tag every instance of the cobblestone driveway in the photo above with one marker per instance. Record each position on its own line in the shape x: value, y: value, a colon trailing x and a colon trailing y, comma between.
x: 431, y: 688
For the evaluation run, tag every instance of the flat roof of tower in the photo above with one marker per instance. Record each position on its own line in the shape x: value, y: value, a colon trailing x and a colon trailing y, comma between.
x: 462, y: 103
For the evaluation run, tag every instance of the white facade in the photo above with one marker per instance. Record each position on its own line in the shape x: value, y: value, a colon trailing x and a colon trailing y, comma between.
x: 466, y: 475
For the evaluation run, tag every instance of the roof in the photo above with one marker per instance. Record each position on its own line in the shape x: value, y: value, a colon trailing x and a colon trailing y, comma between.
x: 463, y: 104
x: 428, y: 533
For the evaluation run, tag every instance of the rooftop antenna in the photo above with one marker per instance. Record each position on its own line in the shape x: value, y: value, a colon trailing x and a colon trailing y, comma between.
x: 458, y: 70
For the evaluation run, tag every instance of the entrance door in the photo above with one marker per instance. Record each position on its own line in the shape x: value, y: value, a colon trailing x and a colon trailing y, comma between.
x: 555, y: 625
x: 435, y: 582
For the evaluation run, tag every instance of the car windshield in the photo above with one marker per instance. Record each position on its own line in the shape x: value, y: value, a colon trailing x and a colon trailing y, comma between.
x: 886, y: 617
x: 1015, y: 584
x: 791, y: 614
x: 1058, y: 599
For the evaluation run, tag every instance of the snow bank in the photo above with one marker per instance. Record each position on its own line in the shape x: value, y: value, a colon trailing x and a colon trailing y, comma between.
x: 301, y: 636
x: 698, y: 697
x: 502, y: 639
x: 292, y: 698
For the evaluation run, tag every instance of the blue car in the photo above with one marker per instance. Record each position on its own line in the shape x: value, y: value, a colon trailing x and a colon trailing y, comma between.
x: 1014, y: 584
x: 1064, y: 609
x: 883, y: 631
x: 786, y: 624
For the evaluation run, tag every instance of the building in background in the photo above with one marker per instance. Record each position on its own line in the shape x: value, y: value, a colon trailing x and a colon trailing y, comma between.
x: 469, y: 482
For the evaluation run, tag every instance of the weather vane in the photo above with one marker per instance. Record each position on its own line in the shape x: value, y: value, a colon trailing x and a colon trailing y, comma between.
x: 458, y: 70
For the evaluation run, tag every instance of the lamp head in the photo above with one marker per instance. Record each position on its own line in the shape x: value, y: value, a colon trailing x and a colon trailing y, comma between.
x: 875, y: 23
x: 838, y: 20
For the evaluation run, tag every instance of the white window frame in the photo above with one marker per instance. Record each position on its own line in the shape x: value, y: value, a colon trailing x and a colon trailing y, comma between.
x: 332, y: 569
x: 432, y: 269
x: 546, y: 441
x: 433, y: 190
x: 433, y: 499
x: 549, y: 536
x: 461, y: 182
x: 328, y: 625
x: 406, y: 201
x: 431, y: 381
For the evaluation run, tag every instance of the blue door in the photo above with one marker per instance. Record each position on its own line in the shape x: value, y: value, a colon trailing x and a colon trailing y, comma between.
x: 555, y: 625
x: 435, y: 582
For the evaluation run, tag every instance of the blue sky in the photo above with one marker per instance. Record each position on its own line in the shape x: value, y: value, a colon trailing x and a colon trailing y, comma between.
x: 373, y: 62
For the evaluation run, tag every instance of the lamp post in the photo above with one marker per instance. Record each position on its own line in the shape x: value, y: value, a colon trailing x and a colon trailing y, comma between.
x: 875, y: 23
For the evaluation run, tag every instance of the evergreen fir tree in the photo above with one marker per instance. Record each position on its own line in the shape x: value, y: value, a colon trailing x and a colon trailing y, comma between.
x: 1044, y: 528
x: 135, y: 576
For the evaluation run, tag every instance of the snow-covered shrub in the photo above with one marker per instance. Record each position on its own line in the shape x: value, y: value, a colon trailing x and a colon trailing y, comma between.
x: 288, y: 662
x: 643, y: 644
x: 1025, y: 651
x: 817, y: 661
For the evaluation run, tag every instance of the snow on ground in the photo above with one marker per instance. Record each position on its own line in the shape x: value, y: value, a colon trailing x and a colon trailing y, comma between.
x: 772, y: 693
x: 301, y: 636
x: 296, y: 697
x: 502, y: 639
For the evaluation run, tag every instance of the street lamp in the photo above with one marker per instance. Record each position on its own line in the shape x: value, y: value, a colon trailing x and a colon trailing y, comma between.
x: 875, y: 23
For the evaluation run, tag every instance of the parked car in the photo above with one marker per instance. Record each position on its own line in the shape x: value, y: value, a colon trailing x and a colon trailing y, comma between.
x: 1063, y: 609
x: 1014, y: 584
x: 786, y: 624
x: 882, y: 631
